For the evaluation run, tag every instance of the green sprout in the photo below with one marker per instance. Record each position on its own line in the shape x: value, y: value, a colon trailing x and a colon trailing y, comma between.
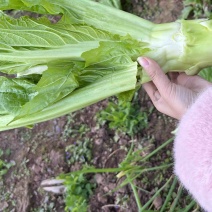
x: 4, y: 165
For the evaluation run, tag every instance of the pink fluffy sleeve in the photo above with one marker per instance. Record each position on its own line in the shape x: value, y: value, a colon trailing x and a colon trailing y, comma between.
x: 193, y: 150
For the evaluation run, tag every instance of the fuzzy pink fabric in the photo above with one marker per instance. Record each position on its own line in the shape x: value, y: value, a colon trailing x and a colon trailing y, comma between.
x: 193, y: 150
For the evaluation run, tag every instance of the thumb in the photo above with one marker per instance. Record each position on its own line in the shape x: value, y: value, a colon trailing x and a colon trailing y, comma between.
x: 156, y: 74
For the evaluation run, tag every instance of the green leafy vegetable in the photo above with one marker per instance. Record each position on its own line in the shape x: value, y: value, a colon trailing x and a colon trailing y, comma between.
x: 88, y: 55
x: 54, y: 85
x: 14, y: 94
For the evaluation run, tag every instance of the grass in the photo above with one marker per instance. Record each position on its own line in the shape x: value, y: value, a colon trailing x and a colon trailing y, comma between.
x: 135, y: 170
x: 131, y: 168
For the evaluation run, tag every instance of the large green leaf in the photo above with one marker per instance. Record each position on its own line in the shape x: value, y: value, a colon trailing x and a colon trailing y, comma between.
x: 14, y: 93
x: 114, y: 55
x: 86, y: 12
x: 55, y: 84
x: 26, y: 43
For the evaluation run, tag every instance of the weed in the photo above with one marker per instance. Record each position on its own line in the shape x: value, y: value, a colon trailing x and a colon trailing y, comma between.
x: 67, y: 131
x: 124, y: 117
x: 196, y: 9
x: 72, y: 130
x: 80, y: 151
x: 4, y: 165
x: 131, y: 169
x: 78, y: 191
x: 172, y: 199
x: 47, y: 206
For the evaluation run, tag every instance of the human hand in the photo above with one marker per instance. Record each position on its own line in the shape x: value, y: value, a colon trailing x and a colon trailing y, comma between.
x: 174, y: 95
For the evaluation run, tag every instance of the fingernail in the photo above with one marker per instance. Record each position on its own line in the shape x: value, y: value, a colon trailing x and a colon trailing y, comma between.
x: 143, y: 62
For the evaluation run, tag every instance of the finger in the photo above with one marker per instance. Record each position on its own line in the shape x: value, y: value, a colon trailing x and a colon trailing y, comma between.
x: 196, y: 83
x: 155, y: 73
x: 152, y: 91
x: 159, y: 103
x: 183, y: 79
x: 173, y: 76
x: 163, y: 107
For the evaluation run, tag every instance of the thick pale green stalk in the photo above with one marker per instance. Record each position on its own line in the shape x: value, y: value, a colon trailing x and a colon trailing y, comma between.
x: 198, y: 45
x: 181, y: 46
x: 71, y: 52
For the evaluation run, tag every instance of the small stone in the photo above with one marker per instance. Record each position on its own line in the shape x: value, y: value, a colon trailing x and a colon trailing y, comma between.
x: 106, y: 189
x: 101, y: 133
x: 99, y: 178
x: 57, y: 129
x: 157, y: 202
x: 98, y: 141
x: 111, y: 186
x: 123, y: 142
x: 102, y: 198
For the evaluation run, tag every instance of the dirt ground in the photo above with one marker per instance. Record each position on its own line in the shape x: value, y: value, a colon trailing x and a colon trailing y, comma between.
x: 39, y: 153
